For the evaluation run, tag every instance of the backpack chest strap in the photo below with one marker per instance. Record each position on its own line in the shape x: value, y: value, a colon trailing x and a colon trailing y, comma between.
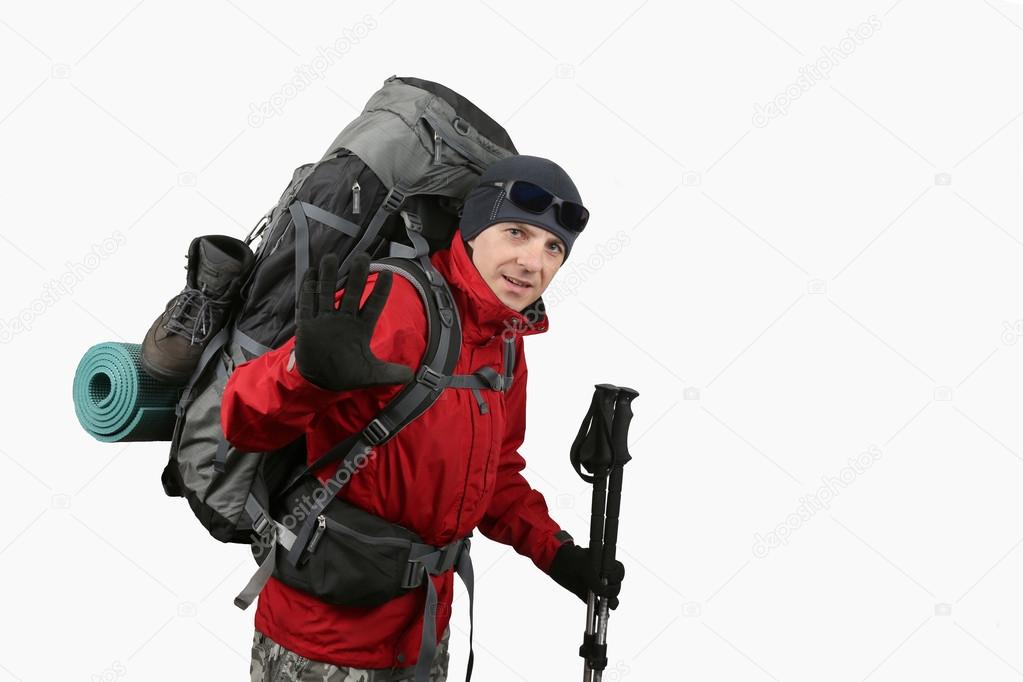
x: 485, y: 378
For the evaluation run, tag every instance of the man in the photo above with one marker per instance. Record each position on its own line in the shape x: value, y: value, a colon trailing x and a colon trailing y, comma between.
x: 455, y: 468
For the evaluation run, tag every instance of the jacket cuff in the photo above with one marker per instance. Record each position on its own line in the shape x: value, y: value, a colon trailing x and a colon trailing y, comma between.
x: 294, y: 380
x: 546, y: 554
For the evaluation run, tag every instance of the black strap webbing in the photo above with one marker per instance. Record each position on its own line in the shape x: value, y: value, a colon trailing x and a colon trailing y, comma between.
x: 215, y: 344
x: 278, y: 534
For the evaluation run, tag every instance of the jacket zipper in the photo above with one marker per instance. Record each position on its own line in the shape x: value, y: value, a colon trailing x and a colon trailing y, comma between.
x: 481, y: 438
x: 356, y: 189
x: 490, y: 454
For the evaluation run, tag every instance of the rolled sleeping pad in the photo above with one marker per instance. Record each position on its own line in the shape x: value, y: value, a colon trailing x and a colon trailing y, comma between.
x: 116, y: 400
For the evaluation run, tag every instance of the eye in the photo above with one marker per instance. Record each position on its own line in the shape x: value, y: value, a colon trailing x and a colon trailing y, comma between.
x: 514, y: 229
x: 557, y: 247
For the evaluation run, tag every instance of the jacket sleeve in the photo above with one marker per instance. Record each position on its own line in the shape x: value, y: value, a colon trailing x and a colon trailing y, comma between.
x: 517, y: 514
x: 267, y: 403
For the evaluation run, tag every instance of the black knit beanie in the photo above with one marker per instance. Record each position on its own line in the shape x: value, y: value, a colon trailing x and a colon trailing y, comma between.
x: 487, y: 205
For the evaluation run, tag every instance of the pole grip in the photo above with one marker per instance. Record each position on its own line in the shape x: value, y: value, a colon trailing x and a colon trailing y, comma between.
x: 620, y: 424
x: 620, y: 448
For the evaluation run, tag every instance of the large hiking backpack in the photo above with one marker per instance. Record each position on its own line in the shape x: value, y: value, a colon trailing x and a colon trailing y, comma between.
x: 390, y: 184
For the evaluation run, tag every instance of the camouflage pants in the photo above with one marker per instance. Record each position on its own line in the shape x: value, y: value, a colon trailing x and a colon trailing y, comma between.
x: 273, y: 663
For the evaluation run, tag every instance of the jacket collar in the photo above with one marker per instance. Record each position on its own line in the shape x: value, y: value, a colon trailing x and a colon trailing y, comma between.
x: 482, y: 313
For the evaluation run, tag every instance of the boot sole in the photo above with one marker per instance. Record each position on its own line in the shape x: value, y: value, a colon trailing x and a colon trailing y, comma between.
x: 161, y: 376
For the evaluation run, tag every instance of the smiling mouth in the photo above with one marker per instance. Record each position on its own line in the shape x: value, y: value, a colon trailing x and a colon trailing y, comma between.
x: 518, y: 284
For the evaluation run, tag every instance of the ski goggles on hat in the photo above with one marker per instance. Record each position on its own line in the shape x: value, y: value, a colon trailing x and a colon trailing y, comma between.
x: 535, y: 199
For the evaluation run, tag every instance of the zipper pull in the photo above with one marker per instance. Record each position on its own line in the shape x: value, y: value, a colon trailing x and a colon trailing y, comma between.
x: 480, y: 401
x: 437, y: 143
x: 321, y: 525
x: 355, y: 198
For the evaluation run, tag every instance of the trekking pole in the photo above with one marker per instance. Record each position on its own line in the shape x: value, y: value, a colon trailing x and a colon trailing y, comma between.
x: 620, y: 457
x: 601, y: 448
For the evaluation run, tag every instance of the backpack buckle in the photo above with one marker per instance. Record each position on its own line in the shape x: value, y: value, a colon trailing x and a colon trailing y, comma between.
x: 394, y: 199
x: 449, y: 556
x: 429, y: 378
x: 260, y: 524
x: 415, y: 572
x: 375, y: 432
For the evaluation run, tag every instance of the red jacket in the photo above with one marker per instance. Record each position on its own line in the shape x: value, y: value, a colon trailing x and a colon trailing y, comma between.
x: 448, y: 472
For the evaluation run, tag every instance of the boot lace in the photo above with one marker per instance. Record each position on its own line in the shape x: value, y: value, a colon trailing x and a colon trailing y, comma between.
x: 192, y: 315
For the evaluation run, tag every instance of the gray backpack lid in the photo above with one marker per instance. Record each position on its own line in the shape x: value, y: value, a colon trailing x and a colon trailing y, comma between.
x: 424, y: 137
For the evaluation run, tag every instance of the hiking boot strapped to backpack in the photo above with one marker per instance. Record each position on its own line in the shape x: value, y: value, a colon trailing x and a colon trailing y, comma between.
x: 217, y: 267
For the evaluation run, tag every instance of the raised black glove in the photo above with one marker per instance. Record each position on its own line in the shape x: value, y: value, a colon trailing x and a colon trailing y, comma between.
x: 332, y: 346
x: 572, y: 568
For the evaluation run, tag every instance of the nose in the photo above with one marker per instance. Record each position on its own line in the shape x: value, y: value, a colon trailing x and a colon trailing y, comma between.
x: 530, y: 257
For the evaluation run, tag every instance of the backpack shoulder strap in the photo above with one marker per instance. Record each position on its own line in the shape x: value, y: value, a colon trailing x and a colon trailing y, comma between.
x: 443, y: 346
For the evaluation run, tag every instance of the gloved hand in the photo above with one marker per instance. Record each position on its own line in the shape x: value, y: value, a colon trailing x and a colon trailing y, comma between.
x: 572, y: 568
x: 332, y: 346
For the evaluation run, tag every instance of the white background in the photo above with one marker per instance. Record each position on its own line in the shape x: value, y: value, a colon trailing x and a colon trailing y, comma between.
x: 785, y: 293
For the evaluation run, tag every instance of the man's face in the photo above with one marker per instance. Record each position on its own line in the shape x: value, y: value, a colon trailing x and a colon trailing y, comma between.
x: 527, y: 254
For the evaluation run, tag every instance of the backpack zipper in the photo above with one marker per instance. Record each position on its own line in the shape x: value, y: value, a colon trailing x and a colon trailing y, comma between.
x: 321, y: 525
x: 454, y: 143
x: 438, y: 142
x: 355, y: 198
